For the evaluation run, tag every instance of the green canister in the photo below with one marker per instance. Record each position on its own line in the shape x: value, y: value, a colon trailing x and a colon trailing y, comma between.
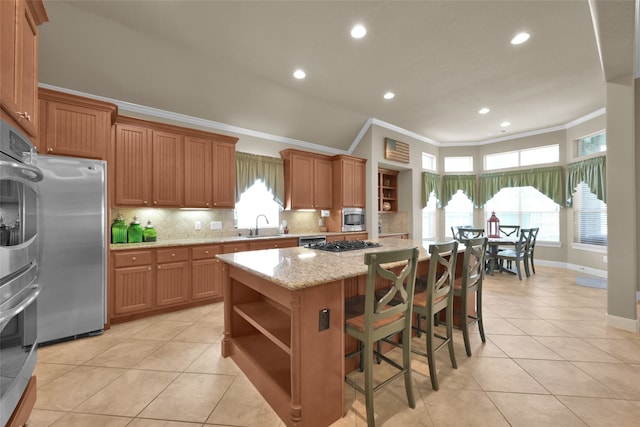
x: 149, y: 234
x: 119, y: 230
x: 134, y: 232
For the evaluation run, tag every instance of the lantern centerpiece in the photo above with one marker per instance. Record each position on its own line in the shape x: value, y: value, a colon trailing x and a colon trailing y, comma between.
x: 493, y: 226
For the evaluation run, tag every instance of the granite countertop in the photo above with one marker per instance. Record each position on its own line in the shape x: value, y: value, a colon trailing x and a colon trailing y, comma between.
x: 217, y: 240
x: 297, y: 268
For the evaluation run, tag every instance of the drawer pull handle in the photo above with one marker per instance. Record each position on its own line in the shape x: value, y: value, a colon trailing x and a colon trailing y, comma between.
x: 159, y: 267
x: 49, y: 150
x: 133, y: 258
x: 149, y: 268
x: 206, y: 252
x: 173, y: 254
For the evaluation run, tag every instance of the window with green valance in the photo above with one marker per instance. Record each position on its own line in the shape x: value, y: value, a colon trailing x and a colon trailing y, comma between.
x: 452, y: 183
x: 547, y: 180
x: 590, y: 171
x: 430, y: 182
x: 252, y: 167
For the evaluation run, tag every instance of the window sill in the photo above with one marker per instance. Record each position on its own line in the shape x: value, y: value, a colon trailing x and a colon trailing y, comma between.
x: 589, y: 248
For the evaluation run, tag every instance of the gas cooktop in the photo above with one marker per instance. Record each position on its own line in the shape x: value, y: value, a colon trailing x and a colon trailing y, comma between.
x: 344, y: 245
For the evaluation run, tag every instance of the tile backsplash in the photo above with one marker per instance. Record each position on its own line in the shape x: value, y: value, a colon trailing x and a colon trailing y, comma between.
x: 180, y: 223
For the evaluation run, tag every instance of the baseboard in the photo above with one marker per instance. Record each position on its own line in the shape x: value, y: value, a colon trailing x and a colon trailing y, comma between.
x: 588, y: 270
x: 622, y: 323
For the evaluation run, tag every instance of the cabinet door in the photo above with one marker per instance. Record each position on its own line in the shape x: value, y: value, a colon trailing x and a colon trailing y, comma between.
x: 224, y: 175
x: 198, y: 166
x: 168, y: 169
x: 301, y: 182
x: 28, y: 80
x: 9, y: 45
x: 19, y: 64
x: 359, y: 185
x: 133, y: 289
x: 133, y: 165
x: 322, y: 184
x: 206, y: 279
x: 172, y: 283
x: 73, y: 130
x: 347, y: 184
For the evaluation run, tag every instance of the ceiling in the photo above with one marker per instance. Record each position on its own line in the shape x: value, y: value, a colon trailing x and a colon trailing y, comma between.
x: 231, y: 62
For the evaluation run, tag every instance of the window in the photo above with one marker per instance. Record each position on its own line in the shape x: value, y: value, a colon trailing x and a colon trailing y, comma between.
x: 589, y: 217
x: 428, y: 162
x: 526, y: 157
x: 458, y: 164
x: 255, y: 201
x: 527, y: 207
x: 592, y: 144
x: 459, y: 211
x: 429, y: 223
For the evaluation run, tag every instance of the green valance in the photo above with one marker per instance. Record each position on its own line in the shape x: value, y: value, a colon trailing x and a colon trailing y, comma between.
x: 430, y: 182
x: 590, y: 171
x: 251, y: 167
x: 453, y: 183
x: 546, y: 180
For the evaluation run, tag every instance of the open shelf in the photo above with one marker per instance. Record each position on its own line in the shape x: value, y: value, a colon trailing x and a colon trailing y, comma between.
x: 269, y: 321
x: 387, y: 190
x: 271, y: 362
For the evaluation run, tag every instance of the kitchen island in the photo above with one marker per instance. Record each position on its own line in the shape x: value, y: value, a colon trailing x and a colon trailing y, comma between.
x: 284, y: 324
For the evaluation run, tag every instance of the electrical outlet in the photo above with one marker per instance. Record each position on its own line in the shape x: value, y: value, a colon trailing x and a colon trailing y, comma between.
x: 604, y: 259
x: 198, y: 226
x: 324, y: 318
x: 215, y: 225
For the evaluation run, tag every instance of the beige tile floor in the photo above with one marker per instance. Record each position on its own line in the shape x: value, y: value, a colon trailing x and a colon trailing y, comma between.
x: 549, y: 360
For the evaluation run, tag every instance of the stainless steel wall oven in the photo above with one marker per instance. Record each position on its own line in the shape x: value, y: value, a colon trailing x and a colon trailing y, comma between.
x: 19, y: 260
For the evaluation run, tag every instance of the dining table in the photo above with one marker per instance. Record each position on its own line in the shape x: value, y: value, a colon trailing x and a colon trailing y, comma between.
x: 493, y: 247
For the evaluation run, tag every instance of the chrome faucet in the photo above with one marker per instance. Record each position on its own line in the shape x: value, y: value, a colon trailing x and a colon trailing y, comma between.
x: 257, y: 218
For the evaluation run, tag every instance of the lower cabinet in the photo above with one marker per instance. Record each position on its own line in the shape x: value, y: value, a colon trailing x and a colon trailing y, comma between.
x: 349, y: 236
x: 206, y: 273
x: 133, y: 282
x: 172, y: 276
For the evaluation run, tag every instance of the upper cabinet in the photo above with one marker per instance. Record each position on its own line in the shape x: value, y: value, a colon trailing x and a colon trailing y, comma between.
x: 307, y: 180
x: 19, y: 20
x: 169, y: 166
x: 349, y: 181
x: 74, y: 126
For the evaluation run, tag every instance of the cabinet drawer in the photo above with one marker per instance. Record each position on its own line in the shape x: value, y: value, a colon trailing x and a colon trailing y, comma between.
x: 203, y: 252
x: 131, y: 259
x: 171, y: 255
x: 235, y: 247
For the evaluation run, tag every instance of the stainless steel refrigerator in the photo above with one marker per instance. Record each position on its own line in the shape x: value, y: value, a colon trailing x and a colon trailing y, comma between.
x: 71, y: 226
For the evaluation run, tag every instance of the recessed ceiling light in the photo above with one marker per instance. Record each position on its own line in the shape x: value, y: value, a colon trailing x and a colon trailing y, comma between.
x: 520, y: 38
x: 389, y: 95
x: 483, y: 110
x: 299, y: 74
x: 505, y: 124
x: 358, y: 31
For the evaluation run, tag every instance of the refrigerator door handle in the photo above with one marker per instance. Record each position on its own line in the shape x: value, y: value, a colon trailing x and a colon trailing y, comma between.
x: 5, y: 316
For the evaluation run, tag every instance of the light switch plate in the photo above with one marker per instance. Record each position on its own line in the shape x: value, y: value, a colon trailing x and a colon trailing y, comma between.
x: 215, y: 225
x: 198, y: 225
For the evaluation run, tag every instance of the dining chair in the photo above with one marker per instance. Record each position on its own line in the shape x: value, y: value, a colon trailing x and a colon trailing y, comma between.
x: 455, y: 233
x: 509, y: 231
x: 383, y: 316
x: 470, y: 286
x: 532, y: 247
x: 469, y: 233
x: 434, y: 295
x: 518, y: 254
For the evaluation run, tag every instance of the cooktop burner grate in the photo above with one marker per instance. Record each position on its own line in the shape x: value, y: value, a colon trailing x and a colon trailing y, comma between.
x: 345, y: 245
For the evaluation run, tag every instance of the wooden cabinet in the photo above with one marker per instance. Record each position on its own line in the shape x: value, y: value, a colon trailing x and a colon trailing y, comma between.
x: 168, y: 166
x: 387, y: 190
x: 235, y: 247
x: 133, y: 282
x: 273, y: 244
x: 133, y: 165
x: 224, y: 175
x: 349, y: 236
x: 74, y: 126
x: 19, y: 20
x: 23, y: 410
x: 206, y: 272
x: 198, y: 172
x: 308, y: 180
x: 172, y: 276
x: 349, y: 182
x: 168, y: 169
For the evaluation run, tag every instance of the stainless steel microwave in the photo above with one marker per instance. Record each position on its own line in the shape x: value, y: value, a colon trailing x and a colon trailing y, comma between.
x: 353, y: 219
